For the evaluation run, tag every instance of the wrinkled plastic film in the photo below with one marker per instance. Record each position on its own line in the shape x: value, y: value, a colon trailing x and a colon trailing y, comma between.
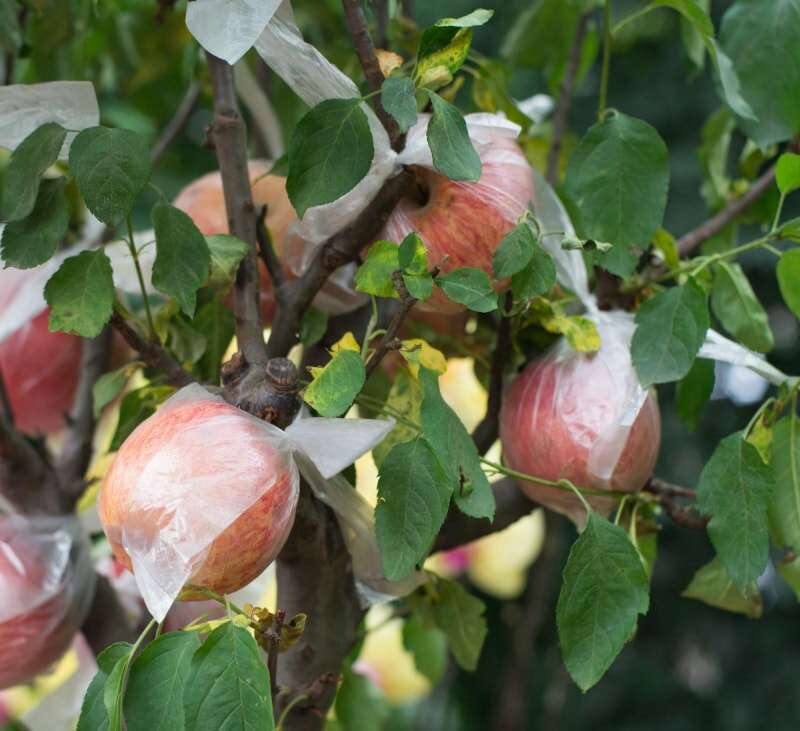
x: 182, y: 479
x: 718, y: 347
x: 46, y: 588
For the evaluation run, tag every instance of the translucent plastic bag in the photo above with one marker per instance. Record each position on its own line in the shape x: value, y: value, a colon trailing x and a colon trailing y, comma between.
x: 39, y: 368
x: 203, y: 493
x: 46, y: 588
x: 584, y: 418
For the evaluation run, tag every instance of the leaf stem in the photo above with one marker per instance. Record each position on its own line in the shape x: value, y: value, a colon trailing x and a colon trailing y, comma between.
x: 297, y: 699
x: 778, y: 212
x: 630, y: 18
x: 606, y: 58
x: 135, y: 256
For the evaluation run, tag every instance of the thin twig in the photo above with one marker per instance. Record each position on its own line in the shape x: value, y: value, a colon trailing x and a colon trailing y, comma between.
x: 177, y: 123
x: 269, y: 256
x: 486, y: 433
x: 365, y: 50
x: 342, y: 248
x: 661, y: 487
x: 76, y: 454
x: 230, y: 141
x: 389, y: 341
x: 691, y: 240
x: 152, y: 353
x: 561, y: 114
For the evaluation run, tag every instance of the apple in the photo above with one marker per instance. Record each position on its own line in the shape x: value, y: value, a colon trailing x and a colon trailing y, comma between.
x: 195, y: 466
x: 40, y: 368
x: 463, y: 223
x: 40, y: 611
x: 204, y: 201
x: 559, y: 419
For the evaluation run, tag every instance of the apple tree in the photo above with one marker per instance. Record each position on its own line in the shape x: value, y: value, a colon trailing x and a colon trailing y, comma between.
x: 188, y: 381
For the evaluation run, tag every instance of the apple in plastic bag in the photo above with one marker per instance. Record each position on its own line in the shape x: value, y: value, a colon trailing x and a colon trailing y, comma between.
x: 39, y: 613
x: 200, y: 470
x: 39, y: 368
x: 204, y: 201
x: 463, y: 223
x: 564, y: 417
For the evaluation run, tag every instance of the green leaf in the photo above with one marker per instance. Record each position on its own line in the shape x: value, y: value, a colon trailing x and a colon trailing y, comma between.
x: 618, y: 178
x: 405, y: 398
x: 81, y: 294
x: 330, y: 151
x: 456, y: 451
x: 226, y: 254
x: 157, y: 682
x: 690, y: 10
x: 216, y: 323
x: 137, y: 406
x: 313, y: 326
x: 413, y: 497
x: 753, y: 35
x: 10, y: 32
x: 789, y: 279
x: 412, y: 255
x: 537, y: 278
x: 459, y: 615
x: 360, y: 704
x: 694, y: 391
x: 228, y: 684
x: 736, y: 306
x: 787, y: 172
x: 605, y: 588
x: 183, y: 258
x: 419, y: 286
x: 111, y: 168
x: 114, y: 692
x: 790, y: 230
x: 712, y: 585
x: 33, y: 240
x: 515, y: 251
x: 734, y: 489
x: 397, y: 97
x: 451, y: 147
x: 784, y: 505
x: 374, y: 276
x: 731, y: 87
x: 94, y: 716
x: 713, y: 153
x: 670, y: 329
x: 35, y: 154
x: 469, y: 287
x: 108, y: 387
x: 444, y: 46
x: 336, y: 386
x: 427, y: 645
x: 476, y: 18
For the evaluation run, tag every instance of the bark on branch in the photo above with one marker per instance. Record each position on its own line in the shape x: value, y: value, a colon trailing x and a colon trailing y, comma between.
x: 342, y: 248
x: 229, y: 135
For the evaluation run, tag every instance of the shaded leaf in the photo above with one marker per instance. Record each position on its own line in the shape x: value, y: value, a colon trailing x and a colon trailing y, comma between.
x: 397, y: 97
x: 459, y: 615
x: 784, y: 504
x: 736, y: 306
x: 712, y: 585
x: 374, y: 276
x: 694, y: 391
x: 451, y: 147
x: 789, y: 279
x: 469, y: 287
x: 336, y: 385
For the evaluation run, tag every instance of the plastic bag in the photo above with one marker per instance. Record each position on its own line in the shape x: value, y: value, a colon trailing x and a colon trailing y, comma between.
x: 46, y: 588
x: 203, y: 493
x: 39, y: 368
x: 584, y: 418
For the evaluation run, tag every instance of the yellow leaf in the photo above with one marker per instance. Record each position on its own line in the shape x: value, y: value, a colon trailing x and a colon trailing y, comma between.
x: 418, y: 353
x: 580, y: 332
x: 761, y: 438
x: 347, y: 342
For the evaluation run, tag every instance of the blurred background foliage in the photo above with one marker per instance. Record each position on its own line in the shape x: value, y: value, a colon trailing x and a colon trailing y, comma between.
x: 691, y: 666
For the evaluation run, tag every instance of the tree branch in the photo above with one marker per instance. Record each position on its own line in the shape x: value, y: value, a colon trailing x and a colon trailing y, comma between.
x: 486, y: 433
x: 230, y: 141
x: 365, y: 50
x: 177, y: 123
x: 342, y: 248
x: 389, y: 341
x: 561, y: 114
x: 152, y: 353
x: 691, y: 240
x: 76, y: 454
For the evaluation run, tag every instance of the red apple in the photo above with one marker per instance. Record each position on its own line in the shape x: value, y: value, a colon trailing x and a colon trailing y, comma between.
x: 188, y: 471
x: 39, y: 368
x: 562, y: 419
x: 204, y: 201
x: 40, y: 609
x: 463, y: 223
